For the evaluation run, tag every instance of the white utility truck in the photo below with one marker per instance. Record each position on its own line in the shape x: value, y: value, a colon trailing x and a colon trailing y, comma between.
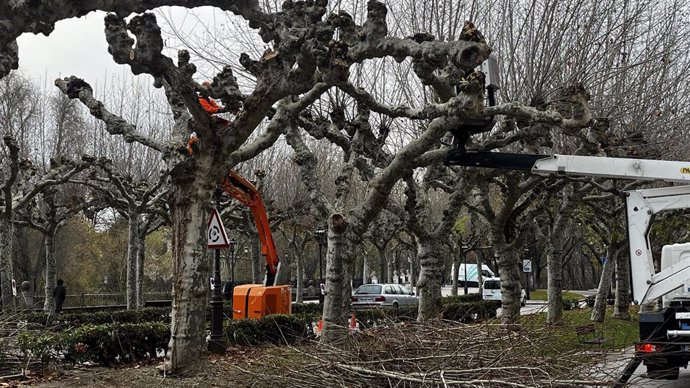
x: 664, y: 344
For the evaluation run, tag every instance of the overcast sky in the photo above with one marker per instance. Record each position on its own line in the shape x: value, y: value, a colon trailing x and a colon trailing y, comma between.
x: 78, y: 47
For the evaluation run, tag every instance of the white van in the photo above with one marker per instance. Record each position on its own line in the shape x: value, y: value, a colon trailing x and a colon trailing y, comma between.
x: 472, y: 274
x: 492, y: 291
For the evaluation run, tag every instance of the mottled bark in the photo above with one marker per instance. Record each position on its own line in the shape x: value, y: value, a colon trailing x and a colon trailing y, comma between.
x: 456, y: 274
x: 139, y: 280
x: 509, y: 268
x: 50, y: 273
x: 621, y: 308
x: 299, y: 289
x: 189, y: 204
x: 554, y: 260
x: 258, y: 262
x: 413, y: 272
x: 7, y: 237
x: 132, y: 253
x: 382, y: 265
x: 366, y: 271
x: 480, y: 276
x: 429, y: 283
x: 599, y: 310
x: 554, y: 266
x: 389, y: 269
x: 337, y: 258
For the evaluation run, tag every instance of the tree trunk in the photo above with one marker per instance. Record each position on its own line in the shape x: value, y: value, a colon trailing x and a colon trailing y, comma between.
x: 480, y: 276
x: 299, y: 289
x: 132, y: 248
x: 6, y: 264
x: 413, y: 273
x: 599, y: 310
x: 554, y: 267
x: 429, y: 283
x: 141, y: 256
x: 258, y: 267
x: 365, y: 270
x: 382, y: 266
x: 51, y: 277
x: 456, y: 273
x: 621, y: 308
x: 509, y: 268
x: 337, y: 255
x: 190, y: 210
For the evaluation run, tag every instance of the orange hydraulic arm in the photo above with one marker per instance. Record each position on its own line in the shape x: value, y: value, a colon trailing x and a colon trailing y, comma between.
x: 242, y: 190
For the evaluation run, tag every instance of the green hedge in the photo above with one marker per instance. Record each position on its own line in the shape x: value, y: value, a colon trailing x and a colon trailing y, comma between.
x: 452, y: 309
x: 307, y: 308
x: 104, y: 344
x: 272, y: 329
x: 470, y: 312
x: 462, y: 298
x: 71, y: 320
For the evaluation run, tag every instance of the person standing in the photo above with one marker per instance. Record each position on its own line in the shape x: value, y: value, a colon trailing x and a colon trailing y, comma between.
x: 59, y: 293
x: 228, y: 289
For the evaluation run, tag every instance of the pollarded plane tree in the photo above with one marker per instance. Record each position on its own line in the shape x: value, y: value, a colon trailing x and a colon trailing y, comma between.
x: 8, y: 205
x: 144, y: 206
x: 380, y: 234
x: 430, y: 236
x: 21, y: 189
x: 366, y: 152
x: 305, y: 60
x: 46, y: 209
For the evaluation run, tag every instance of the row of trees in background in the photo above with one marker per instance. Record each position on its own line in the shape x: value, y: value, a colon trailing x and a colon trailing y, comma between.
x: 364, y: 120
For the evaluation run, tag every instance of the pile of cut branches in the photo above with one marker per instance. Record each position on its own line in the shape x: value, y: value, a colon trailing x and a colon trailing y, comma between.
x: 12, y: 364
x: 435, y: 354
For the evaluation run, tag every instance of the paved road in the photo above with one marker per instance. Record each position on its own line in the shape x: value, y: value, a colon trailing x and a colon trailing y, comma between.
x: 613, y: 366
x: 615, y: 362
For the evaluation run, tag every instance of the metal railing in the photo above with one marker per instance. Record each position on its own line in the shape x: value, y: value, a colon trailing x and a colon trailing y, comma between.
x: 87, y: 300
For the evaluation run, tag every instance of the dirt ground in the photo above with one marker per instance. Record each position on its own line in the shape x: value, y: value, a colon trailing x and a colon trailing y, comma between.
x: 215, y: 371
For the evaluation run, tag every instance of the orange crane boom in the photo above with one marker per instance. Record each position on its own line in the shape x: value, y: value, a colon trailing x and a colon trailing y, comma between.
x: 244, y: 191
x: 257, y: 300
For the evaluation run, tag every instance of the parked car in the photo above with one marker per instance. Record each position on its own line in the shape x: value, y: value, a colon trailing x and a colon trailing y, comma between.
x: 492, y: 291
x: 382, y: 295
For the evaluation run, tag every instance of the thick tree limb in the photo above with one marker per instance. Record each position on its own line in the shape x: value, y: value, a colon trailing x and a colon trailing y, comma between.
x: 74, y: 87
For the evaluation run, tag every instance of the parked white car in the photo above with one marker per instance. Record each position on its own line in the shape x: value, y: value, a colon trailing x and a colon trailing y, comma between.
x: 382, y: 295
x: 492, y: 291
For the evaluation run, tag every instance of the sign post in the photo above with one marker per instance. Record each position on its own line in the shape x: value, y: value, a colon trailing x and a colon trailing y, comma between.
x: 527, y: 269
x: 216, y: 239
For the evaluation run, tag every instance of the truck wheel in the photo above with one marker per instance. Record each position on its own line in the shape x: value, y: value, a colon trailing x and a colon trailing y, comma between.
x: 658, y: 372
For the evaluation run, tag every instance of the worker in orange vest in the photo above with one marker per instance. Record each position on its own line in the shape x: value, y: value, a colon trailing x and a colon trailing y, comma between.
x: 211, y: 107
x: 207, y: 102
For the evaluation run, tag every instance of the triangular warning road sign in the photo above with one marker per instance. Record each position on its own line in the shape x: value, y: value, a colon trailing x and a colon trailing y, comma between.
x: 216, y: 236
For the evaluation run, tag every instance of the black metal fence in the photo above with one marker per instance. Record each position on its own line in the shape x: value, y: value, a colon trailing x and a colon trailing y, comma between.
x: 90, y: 300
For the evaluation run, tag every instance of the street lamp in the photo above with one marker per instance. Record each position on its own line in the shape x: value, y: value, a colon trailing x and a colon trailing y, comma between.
x: 232, y: 243
x: 320, y: 236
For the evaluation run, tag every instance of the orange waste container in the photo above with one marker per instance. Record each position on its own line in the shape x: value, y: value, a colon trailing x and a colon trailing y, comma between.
x: 256, y: 301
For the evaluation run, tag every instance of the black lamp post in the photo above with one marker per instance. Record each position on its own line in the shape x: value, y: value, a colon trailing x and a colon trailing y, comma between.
x: 232, y: 243
x: 217, y: 342
x: 320, y: 236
